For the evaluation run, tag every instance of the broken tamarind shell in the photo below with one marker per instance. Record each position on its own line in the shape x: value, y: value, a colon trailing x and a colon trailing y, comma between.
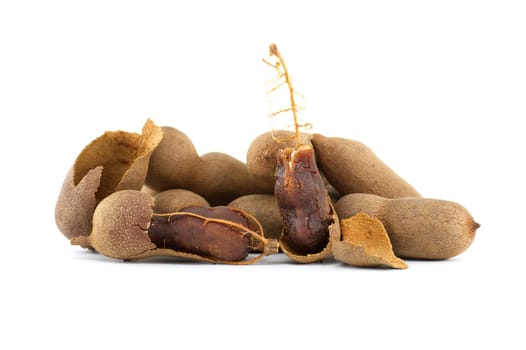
x: 115, y: 161
x: 365, y: 243
x: 125, y: 227
x: 309, y: 221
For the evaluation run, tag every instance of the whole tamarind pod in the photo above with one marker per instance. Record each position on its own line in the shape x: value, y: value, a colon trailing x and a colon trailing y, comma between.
x: 308, y: 220
x: 352, y: 167
x: 220, y: 178
x: 171, y: 163
x: 115, y: 161
x: 125, y: 227
x: 173, y: 200
x: 264, y: 207
x: 420, y: 228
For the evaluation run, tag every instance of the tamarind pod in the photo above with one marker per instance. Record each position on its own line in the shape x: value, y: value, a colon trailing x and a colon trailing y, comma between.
x: 125, y: 227
x: 352, y: 167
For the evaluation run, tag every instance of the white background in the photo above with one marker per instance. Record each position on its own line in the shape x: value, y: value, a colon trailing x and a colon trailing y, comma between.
x: 436, y: 89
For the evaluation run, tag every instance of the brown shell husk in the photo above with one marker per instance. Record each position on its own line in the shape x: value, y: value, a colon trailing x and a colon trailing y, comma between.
x: 135, y: 175
x: 326, y: 252
x: 76, y: 203
x: 120, y: 225
x: 124, y: 157
x: 365, y: 243
x: 115, y: 161
x: 120, y: 231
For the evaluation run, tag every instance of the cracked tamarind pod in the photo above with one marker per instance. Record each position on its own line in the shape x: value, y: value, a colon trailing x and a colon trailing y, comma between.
x: 309, y: 221
x: 419, y: 228
x: 115, y: 161
x: 125, y: 227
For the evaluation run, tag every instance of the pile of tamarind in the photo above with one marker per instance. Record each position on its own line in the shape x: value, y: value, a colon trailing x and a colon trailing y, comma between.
x: 132, y: 196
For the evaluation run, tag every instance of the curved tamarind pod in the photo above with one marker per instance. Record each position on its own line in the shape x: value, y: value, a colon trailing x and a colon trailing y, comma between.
x: 352, y: 167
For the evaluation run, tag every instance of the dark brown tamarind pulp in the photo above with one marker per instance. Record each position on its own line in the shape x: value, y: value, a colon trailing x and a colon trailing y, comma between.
x: 303, y: 201
x: 216, y: 232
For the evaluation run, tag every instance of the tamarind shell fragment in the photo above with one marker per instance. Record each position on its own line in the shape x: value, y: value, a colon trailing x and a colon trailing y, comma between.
x: 308, y: 218
x: 365, y: 243
x: 76, y: 203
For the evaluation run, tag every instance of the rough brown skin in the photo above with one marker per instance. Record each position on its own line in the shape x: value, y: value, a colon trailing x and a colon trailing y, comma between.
x: 303, y: 201
x: 216, y: 176
x: 194, y: 235
x: 170, y: 201
x: 419, y: 228
x: 262, y: 152
x: 220, y: 178
x: 351, y: 167
x: 264, y: 207
x: 172, y: 162
x: 120, y: 225
x: 76, y: 203
x: 115, y: 161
